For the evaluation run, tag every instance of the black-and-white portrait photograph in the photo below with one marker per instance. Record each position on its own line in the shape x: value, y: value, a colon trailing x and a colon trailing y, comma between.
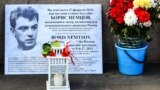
x: 23, y: 44
x: 29, y: 26
x: 22, y: 30
x: 24, y: 27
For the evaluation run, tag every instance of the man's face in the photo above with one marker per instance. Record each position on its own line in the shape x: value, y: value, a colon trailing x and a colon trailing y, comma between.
x: 26, y: 32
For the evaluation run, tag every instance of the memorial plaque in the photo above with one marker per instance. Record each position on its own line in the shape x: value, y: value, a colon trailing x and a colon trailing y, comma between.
x: 29, y: 26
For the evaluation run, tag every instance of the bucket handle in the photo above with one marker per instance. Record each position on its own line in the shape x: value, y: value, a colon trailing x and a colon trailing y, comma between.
x: 135, y: 60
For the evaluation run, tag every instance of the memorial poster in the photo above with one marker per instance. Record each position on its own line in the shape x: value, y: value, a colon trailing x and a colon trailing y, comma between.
x: 29, y: 26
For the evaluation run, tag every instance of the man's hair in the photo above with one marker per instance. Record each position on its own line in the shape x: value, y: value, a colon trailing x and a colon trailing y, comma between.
x: 26, y: 12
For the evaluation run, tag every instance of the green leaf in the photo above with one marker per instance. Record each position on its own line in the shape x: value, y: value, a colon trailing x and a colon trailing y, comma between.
x: 46, y: 47
x: 138, y: 31
x: 124, y: 32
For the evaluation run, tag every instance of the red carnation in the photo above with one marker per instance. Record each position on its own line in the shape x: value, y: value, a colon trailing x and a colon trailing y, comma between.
x: 120, y: 19
x: 142, y: 14
x: 118, y: 10
x: 130, y: 4
x: 51, y: 53
x: 113, y: 13
x: 117, y: 14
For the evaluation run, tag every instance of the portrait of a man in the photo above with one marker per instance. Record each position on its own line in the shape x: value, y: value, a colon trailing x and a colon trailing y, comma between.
x: 24, y: 27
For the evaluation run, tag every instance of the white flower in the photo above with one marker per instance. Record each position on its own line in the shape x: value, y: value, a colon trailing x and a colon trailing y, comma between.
x: 130, y: 18
x: 141, y: 25
x: 153, y: 3
x: 159, y: 16
x: 147, y: 24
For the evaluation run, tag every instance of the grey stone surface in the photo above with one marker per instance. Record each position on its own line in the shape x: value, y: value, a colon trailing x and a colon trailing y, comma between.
x: 110, y: 80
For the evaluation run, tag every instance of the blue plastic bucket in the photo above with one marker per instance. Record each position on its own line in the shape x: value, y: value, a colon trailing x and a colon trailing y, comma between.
x: 131, y: 61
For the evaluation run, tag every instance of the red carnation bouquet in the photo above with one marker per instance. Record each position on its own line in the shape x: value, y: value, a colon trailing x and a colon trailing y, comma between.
x: 133, y: 18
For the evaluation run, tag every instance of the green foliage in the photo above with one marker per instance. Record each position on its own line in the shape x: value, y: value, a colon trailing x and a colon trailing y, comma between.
x: 46, y: 48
